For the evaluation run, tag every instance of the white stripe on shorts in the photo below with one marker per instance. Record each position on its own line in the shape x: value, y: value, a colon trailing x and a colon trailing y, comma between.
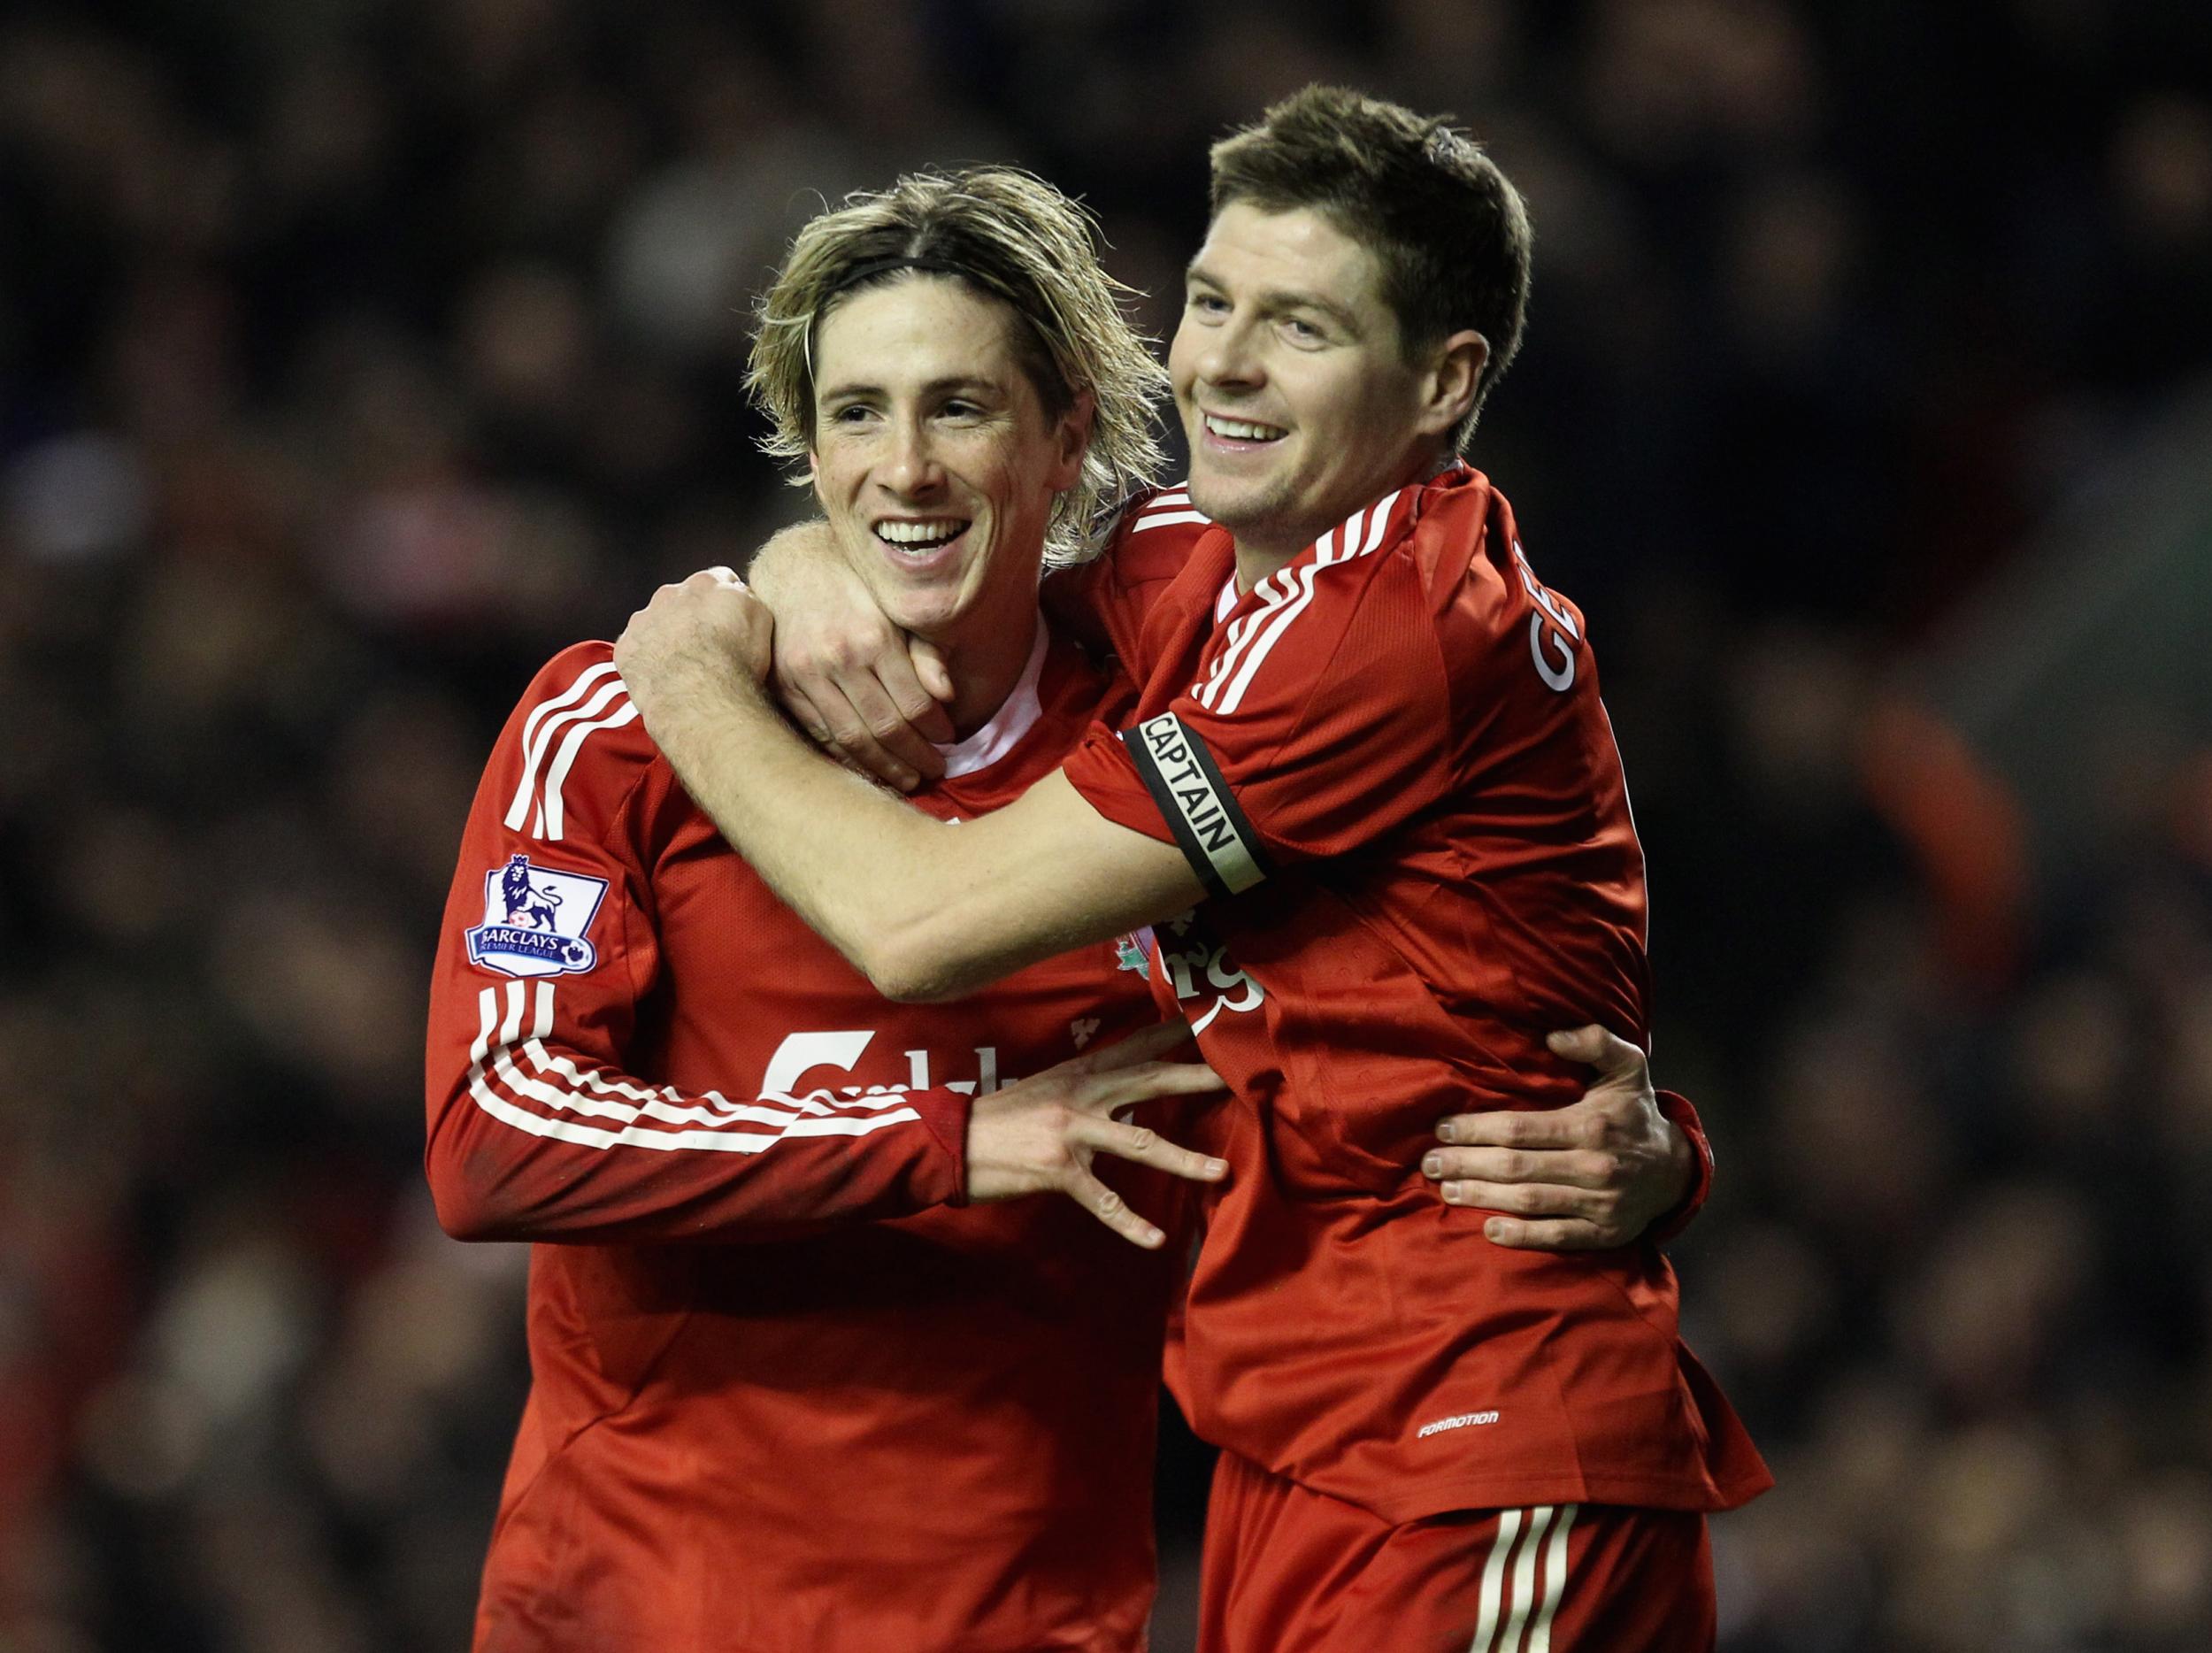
x: 1503, y: 1618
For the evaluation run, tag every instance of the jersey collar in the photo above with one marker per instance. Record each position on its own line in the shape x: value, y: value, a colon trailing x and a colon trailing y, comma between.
x: 1364, y: 531
x: 1013, y: 719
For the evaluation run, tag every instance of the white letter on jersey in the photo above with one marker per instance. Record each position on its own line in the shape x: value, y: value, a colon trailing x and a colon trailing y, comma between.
x: 1559, y: 675
x: 801, y: 1053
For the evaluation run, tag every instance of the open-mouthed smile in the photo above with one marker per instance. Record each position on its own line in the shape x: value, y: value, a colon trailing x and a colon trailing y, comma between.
x: 921, y: 543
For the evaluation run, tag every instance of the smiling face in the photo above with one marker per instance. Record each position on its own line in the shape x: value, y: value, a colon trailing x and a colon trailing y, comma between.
x: 935, y: 460
x: 1292, y: 383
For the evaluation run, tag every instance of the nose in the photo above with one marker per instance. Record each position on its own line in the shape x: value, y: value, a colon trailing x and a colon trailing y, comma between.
x: 910, y: 467
x: 1229, y: 359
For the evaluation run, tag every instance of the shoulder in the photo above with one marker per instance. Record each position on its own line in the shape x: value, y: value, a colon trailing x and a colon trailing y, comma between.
x: 579, y: 691
x: 1139, y: 557
x: 1158, y: 517
x: 1493, y: 612
x: 574, y: 736
x: 1459, y: 519
x: 1151, y: 538
x: 1464, y: 554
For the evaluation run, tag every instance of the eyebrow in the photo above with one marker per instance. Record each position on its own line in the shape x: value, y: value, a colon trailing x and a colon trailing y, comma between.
x: 935, y: 387
x: 1281, y: 298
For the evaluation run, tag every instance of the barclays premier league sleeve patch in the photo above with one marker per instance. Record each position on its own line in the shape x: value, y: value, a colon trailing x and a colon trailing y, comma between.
x: 534, y: 920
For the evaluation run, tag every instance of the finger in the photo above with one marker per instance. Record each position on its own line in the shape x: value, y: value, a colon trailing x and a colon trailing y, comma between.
x: 929, y: 666
x: 1110, y: 1209
x: 1550, y: 1234
x: 1106, y: 1093
x: 1523, y: 1199
x: 1555, y: 1167
x: 1611, y: 1055
x: 803, y: 709
x: 850, y: 734
x: 891, y: 728
x: 1504, y: 1127
x: 1143, y: 1147
x: 919, y: 705
x: 724, y: 576
x: 1146, y: 1044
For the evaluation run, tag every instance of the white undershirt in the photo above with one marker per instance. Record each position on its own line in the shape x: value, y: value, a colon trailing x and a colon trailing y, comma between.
x: 1016, y: 714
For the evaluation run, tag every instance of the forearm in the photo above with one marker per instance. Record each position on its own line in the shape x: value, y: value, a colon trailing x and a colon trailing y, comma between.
x: 917, y: 906
x: 529, y: 1142
x: 926, y: 911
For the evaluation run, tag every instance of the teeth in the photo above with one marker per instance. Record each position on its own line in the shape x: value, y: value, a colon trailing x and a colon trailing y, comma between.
x: 919, y: 534
x: 1242, y: 430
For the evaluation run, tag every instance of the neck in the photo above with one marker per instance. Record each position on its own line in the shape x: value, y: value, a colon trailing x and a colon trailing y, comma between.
x: 1265, y: 547
x: 1255, y: 562
x: 984, y: 667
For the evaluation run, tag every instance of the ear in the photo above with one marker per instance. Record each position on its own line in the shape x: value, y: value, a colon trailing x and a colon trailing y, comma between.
x: 814, y: 474
x: 1071, y: 441
x: 1449, y: 381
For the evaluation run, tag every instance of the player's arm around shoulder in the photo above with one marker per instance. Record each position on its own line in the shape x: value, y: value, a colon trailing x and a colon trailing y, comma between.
x: 1047, y: 873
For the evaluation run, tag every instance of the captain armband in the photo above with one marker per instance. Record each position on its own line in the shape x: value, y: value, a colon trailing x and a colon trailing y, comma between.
x: 1197, y: 804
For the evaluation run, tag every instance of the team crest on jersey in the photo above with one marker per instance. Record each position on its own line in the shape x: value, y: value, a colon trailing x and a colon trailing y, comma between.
x: 1129, y: 954
x: 534, y: 920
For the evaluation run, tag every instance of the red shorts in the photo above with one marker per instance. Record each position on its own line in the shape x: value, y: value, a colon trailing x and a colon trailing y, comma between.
x: 1288, y: 1570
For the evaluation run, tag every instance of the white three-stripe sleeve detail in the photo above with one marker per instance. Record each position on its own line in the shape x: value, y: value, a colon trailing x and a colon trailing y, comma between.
x: 550, y: 813
x: 488, y: 1016
x: 552, y: 1062
x: 1555, y: 1581
x: 1351, y: 544
x: 667, y: 1103
x: 561, y: 702
x: 1167, y: 519
x: 539, y: 727
x: 1492, y: 1578
x: 1525, y: 1578
x: 789, y: 1122
x: 591, y: 1136
x: 510, y: 1029
x: 796, y: 1119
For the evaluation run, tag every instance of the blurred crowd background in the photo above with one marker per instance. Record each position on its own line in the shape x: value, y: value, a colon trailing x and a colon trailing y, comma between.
x: 357, y: 354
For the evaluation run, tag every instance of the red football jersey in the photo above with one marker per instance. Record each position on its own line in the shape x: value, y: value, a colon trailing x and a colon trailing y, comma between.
x: 1389, y: 763
x: 933, y: 1431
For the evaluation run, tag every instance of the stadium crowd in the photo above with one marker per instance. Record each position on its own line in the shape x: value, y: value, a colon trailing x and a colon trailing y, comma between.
x: 356, y: 357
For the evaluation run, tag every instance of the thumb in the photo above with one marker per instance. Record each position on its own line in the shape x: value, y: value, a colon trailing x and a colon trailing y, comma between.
x: 929, y: 666
x: 1605, y: 1051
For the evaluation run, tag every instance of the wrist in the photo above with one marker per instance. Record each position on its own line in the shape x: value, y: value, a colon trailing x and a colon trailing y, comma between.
x: 786, y: 560
x: 946, y: 1115
x: 1687, y: 1146
x: 1681, y: 1164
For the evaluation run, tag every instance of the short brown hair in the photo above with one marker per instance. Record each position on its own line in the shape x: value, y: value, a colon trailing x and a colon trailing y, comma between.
x: 1450, y: 230
x: 1012, y: 236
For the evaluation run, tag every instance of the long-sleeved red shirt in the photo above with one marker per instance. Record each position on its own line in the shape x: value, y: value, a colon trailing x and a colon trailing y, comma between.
x: 932, y: 1430
x: 1388, y: 763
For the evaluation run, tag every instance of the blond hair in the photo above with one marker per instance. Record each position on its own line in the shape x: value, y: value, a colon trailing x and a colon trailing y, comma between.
x: 1010, y: 235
